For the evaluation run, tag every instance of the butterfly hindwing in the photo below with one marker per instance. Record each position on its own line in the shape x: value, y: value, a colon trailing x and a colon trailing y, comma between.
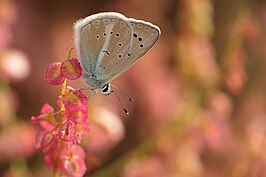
x: 143, y: 35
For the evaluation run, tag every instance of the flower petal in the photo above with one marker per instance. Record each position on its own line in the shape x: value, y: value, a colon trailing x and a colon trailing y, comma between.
x: 76, y: 112
x: 71, y: 69
x: 53, y: 75
x: 46, y: 117
x: 67, y: 131
x: 74, y: 96
x: 74, y: 164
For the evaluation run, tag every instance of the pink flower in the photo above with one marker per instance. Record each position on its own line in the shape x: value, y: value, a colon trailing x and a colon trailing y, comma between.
x: 68, y: 159
x: 59, y: 134
x: 54, y: 157
x: 75, y: 105
x: 46, y: 141
x: 53, y: 74
x: 74, y: 96
x: 81, y: 130
x: 82, y: 97
x: 67, y: 131
x: 46, y: 111
x: 71, y: 69
x: 46, y: 117
x: 76, y: 112
x: 74, y: 163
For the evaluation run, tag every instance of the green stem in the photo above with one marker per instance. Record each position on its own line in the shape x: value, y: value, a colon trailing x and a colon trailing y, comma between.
x: 69, y: 52
x: 56, y: 173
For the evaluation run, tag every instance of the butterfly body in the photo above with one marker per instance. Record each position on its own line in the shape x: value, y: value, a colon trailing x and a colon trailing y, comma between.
x: 109, y: 43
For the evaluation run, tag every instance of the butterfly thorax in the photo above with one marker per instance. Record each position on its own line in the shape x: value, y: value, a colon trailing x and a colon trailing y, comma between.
x: 92, y: 80
x: 96, y: 84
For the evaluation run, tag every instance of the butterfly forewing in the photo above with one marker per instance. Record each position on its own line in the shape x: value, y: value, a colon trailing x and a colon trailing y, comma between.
x: 119, y: 43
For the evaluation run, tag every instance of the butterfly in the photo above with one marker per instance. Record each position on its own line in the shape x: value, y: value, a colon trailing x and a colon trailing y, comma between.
x: 109, y: 43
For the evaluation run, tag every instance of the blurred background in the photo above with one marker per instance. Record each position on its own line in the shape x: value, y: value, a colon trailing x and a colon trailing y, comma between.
x: 200, y: 92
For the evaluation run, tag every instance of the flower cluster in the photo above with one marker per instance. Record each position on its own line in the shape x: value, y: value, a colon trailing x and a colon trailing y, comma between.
x: 62, y: 130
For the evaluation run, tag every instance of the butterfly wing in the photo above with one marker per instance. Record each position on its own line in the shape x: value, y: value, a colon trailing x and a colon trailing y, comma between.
x: 109, y: 43
x: 144, y: 35
x: 93, y: 37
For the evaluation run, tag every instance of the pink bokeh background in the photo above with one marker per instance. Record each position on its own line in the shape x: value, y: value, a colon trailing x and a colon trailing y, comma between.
x: 200, y: 100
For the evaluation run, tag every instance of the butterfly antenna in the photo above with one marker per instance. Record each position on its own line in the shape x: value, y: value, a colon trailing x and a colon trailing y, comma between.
x: 127, y: 96
x: 112, y: 91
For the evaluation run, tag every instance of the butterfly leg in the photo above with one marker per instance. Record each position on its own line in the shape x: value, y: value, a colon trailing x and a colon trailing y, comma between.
x: 94, y: 92
x: 84, y: 88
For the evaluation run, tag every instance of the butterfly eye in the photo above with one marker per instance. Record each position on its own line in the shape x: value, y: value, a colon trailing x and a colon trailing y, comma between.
x: 106, y: 89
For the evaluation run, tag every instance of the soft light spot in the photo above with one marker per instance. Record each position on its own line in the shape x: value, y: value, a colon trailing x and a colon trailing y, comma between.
x: 15, y: 65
